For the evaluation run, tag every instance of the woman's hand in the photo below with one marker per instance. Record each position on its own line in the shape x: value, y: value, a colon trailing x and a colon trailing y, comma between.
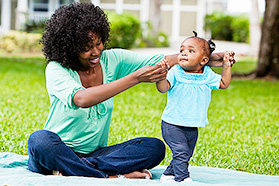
x: 216, y: 59
x: 151, y: 73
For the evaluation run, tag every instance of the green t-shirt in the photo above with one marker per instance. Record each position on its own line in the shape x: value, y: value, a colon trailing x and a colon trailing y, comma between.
x: 87, y: 129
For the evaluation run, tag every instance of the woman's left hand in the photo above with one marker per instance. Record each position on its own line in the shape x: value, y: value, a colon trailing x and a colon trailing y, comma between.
x: 151, y: 73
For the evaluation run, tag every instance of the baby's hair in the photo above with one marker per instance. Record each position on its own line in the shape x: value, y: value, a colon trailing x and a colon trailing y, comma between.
x: 195, y: 33
x: 210, y: 43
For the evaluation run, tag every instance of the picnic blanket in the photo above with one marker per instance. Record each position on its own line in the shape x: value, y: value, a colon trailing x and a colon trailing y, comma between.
x: 14, y: 172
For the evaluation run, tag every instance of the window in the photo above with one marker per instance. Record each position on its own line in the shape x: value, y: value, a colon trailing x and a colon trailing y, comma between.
x: 40, y: 5
x: 65, y: 2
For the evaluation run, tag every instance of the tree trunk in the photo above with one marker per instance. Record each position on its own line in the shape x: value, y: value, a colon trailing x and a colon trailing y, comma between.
x: 268, y: 63
x: 155, y: 15
x: 255, y: 29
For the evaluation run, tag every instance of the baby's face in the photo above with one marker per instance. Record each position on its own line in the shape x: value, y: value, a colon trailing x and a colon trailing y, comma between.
x: 191, y: 55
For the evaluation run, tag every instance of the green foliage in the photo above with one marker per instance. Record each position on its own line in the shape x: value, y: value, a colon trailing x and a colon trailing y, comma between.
x: 126, y: 32
x: 17, y: 41
x: 149, y: 39
x: 240, y: 26
x: 227, y: 27
x: 242, y: 134
x: 220, y: 26
x: 243, y: 65
x: 23, y: 102
x: 125, y: 29
x: 34, y: 27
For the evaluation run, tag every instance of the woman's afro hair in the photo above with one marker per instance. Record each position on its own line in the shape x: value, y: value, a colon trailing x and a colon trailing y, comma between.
x: 68, y: 29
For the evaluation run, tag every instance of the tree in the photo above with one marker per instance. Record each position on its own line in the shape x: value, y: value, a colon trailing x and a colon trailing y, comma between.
x: 255, y: 29
x: 155, y: 14
x: 268, y: 63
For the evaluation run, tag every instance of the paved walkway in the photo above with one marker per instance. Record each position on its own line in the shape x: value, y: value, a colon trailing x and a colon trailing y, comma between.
x: 239, y: 48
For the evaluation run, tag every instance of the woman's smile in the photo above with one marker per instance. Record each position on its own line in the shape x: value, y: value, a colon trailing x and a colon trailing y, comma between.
x: 96, y: 60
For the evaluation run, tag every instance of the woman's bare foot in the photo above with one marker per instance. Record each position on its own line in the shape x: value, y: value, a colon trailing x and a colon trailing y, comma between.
x: 145, y: 174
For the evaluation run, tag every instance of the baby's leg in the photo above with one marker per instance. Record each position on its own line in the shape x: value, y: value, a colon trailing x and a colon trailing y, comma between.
x: 182, y: 141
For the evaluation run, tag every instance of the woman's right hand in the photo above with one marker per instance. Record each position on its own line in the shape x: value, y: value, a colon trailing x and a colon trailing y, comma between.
x: 151, y: 73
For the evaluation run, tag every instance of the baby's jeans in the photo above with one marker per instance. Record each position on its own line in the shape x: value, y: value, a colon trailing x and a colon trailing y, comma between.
x: 47, y: 152
x: 182, y: 142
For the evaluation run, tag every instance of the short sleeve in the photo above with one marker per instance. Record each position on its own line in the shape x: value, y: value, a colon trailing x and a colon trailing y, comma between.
x: 62, y: 84
x: 170, y: 75
x: 213, y: 79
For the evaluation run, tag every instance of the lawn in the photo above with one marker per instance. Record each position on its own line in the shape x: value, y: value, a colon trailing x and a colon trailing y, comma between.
x: 242, y: 134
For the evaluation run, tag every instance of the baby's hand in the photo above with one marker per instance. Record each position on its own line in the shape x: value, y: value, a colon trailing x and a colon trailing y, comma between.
x: 227, y: 59
x: 231, y: 57
x: 164, y: 64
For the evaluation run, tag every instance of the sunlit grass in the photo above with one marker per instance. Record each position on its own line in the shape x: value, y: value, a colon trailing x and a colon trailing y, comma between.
x: 242, y: 134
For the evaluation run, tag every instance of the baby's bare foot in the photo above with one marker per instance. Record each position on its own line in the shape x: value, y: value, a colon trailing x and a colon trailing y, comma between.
x: 56, y: 173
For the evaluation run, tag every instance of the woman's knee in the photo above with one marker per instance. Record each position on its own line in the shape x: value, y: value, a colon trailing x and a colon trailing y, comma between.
x: 156, y: 148
x: 41, y: 140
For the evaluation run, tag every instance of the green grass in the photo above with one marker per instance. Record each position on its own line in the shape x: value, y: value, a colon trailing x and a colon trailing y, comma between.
x: 242, y: 134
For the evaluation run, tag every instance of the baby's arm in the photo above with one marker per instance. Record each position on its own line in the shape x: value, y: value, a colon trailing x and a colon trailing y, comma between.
x: 164, y: 85
x: 226, y: 71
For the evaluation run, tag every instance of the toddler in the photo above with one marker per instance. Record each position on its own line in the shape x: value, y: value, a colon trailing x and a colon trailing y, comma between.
x: 189, y: 86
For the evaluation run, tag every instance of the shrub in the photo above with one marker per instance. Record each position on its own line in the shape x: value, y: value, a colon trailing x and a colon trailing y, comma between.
x: 126, y: 32
x: 220, y: 26
x: 17, y: 41
x: 148, y: 39
x: 34, y: 27
x: 240, y: 25
x: 125, y: 29
x: 227, y: 27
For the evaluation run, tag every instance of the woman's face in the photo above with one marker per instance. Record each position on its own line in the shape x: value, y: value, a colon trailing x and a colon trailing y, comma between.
x: 90, y: 58
x: 191, y: 57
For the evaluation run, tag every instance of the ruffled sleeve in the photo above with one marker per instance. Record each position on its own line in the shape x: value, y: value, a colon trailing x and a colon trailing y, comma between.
x: 170, y: 75
x: 62, y: 83
x: 213, y: 79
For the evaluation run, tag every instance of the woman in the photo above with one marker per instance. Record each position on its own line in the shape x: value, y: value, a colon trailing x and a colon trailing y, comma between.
x: 81, y: 80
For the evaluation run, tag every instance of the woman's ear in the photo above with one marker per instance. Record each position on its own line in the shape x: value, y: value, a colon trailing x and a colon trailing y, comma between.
x: 204, y: 61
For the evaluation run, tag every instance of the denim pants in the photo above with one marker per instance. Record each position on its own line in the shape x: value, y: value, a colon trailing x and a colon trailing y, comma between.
x: 182, y: 142
x: 47, y: 152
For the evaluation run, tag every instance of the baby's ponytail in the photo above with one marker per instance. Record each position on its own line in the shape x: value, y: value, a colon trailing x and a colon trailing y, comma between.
x: 211, y: 45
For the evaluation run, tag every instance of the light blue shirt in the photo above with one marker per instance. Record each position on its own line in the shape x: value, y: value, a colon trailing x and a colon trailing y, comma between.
x: 189, y: 96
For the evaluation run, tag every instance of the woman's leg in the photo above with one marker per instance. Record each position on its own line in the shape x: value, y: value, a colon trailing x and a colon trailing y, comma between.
x: 133, y: 155
x: 47, y: 152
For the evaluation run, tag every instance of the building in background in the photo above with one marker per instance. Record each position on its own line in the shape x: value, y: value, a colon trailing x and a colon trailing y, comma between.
x: 178, y: 18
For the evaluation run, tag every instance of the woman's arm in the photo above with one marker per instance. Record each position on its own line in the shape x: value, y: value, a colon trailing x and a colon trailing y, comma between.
x: 216, y: 59
x: 97, y: 94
